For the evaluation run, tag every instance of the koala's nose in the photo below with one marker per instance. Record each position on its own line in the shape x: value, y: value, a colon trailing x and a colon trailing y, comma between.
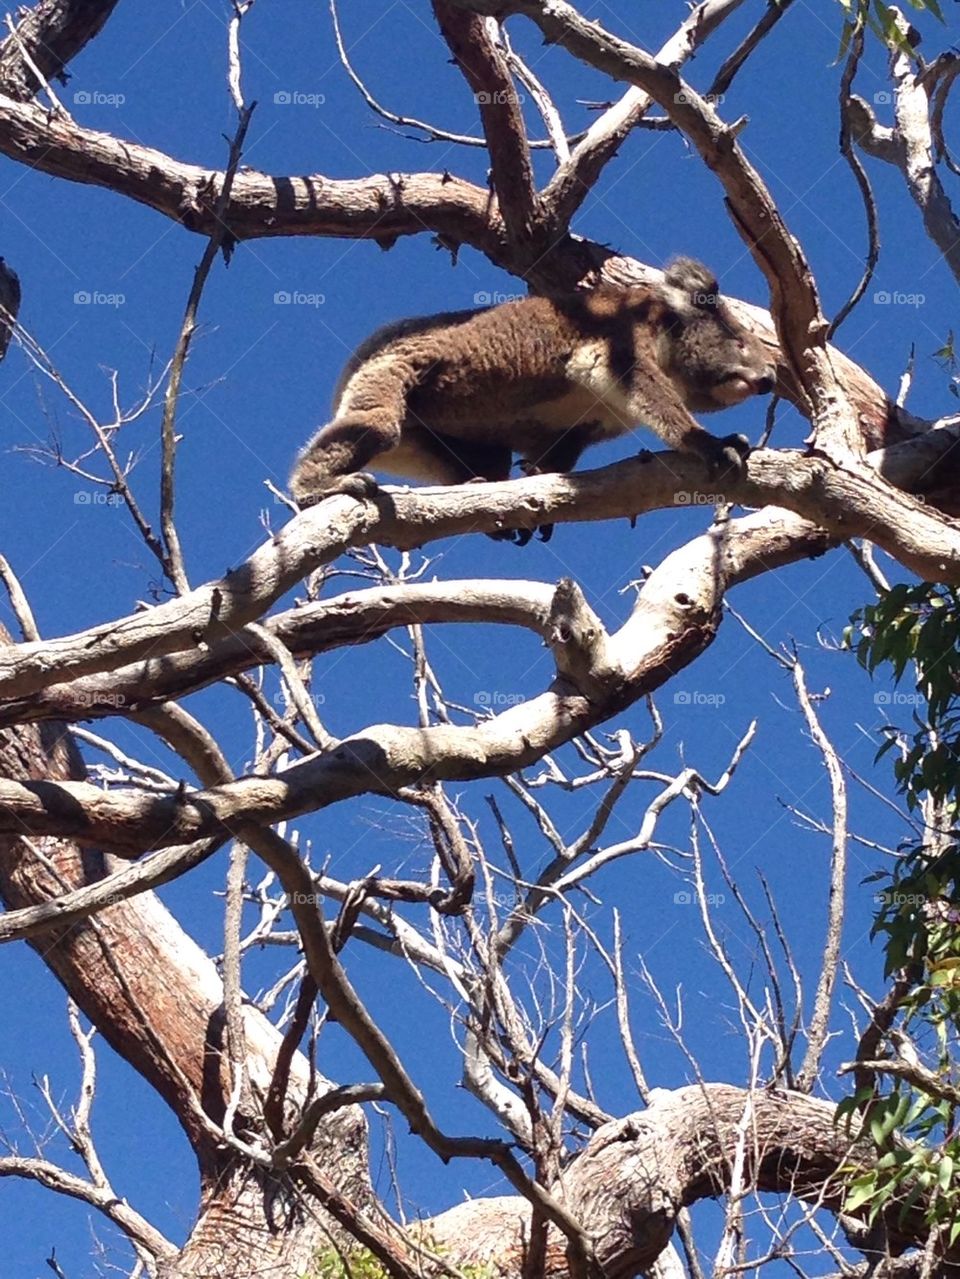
x: 764, y: 385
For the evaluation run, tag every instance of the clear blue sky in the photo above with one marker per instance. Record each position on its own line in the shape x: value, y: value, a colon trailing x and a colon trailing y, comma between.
x: 259, y: 382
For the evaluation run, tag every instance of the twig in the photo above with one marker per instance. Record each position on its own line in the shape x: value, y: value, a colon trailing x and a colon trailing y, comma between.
x: 735, y: 61
x: 856, y: 167
x: 297, y: 690
x: 174, y: 555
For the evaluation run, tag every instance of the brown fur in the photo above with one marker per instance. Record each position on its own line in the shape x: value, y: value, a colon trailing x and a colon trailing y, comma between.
x: 453, y: 397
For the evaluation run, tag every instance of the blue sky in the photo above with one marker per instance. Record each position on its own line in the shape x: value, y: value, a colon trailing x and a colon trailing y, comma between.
x: 258, y: 383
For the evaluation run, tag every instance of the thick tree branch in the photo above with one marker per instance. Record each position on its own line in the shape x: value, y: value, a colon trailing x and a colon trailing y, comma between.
x: 137, y: 1229
x: 380, y: 207
x: 634, y: 1175
x: 485, y: 70
x: 669, y: 626
x: 51, y: 33
x: 843, y: 501
x: 357, y: 617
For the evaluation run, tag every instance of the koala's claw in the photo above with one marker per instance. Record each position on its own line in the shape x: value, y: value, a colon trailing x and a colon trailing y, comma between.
x: 518, y: 536
x: 521, y: 536
x: 730, y: 454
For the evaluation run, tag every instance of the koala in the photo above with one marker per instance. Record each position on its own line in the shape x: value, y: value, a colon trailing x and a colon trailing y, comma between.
x: 451, y: 398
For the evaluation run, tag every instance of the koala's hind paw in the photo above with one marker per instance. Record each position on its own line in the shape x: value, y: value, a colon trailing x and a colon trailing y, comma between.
x: 358, y: 484
x: 518, y: 536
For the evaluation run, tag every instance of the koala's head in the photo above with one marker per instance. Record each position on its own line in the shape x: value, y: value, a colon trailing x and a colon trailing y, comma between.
x: 712, y: 359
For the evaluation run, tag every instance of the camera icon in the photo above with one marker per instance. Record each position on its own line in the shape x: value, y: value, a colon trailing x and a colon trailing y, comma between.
x: 883, y: 97
x: 82, y: 298
x: 82, y: 97
x: 682, y: 898
x: 282, y: 98
x: 282, y: 298
x: 881, y: 298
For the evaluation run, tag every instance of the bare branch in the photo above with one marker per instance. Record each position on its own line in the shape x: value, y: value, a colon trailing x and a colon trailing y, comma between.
x: 103, y: 1198
x: 822, y: 1007
x: 910, y: 146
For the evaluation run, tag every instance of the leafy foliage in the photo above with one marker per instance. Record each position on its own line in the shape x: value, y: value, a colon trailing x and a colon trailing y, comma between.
x: 915, y: 631
x: 882, y: 19
x: 360, y: 1263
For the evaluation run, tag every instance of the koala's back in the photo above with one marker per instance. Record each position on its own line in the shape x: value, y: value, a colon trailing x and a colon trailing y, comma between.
x: 381, y: 341
x: 474, y: 373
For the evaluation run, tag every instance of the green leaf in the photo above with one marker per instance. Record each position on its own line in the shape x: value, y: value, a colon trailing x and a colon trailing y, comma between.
x: 861, y: 1192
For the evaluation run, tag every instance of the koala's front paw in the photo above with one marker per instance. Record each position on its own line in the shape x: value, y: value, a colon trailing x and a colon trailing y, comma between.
x: 729, y: 454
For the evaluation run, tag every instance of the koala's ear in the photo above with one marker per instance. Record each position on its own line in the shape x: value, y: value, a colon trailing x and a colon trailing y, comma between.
x: 689, y: 284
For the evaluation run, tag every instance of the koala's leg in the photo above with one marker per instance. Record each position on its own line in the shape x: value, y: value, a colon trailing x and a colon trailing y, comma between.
x: 560, y: 455
x: 654, y: 402
x: 643, y: 395
x: 555, y: 458
x: 339, y: 449
x: 369, y: 422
